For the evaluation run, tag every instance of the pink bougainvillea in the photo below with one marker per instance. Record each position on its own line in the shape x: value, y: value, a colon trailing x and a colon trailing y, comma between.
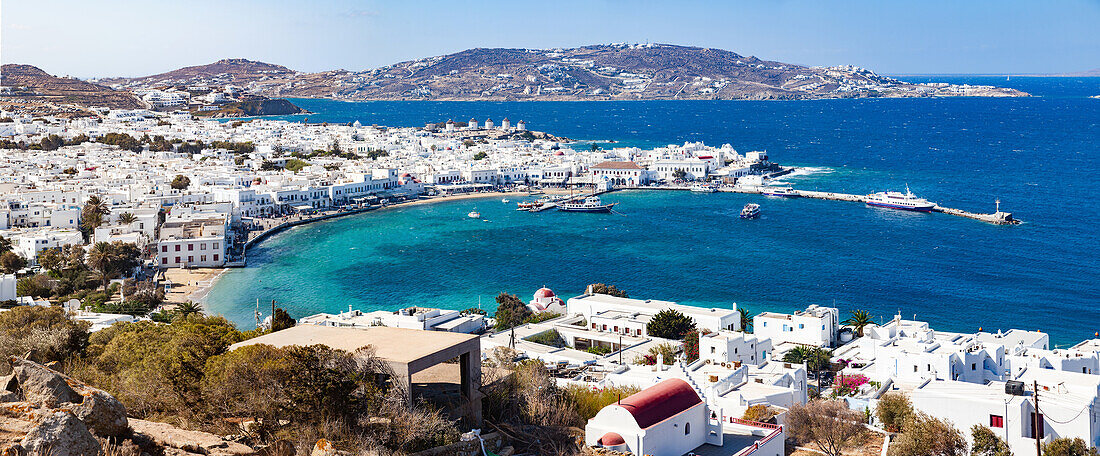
x: 851, y: 382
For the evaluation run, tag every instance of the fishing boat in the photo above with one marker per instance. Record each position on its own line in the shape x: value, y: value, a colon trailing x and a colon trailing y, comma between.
x: 750, y: 211
x: 704, y: 188
x: 897, y: 200
x: 474, y: 215
x: 590, y: 204
x: 782, y: 192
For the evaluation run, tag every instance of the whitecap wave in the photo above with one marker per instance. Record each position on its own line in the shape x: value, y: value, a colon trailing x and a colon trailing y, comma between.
x: 803, y: 171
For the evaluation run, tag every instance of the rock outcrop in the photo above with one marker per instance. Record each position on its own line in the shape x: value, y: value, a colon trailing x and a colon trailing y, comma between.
x: 44, y: 412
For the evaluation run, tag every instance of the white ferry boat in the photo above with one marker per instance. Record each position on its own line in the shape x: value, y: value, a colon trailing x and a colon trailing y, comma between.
x: 750, y: 211
x: 704, y: 188
x: 897, y: 200
x: 590, y: 204
x: 782, y: 192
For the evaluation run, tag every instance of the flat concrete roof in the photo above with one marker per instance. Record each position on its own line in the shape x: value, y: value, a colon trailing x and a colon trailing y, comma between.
x: 392, y: 344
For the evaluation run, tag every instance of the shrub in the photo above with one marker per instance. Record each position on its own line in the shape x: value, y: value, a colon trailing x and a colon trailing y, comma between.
x: 893, y: 410
x: 46, y: 332
x: 589, y: 401
x: 830, y: 425
x: 928, y: 436
x: 1064, y: 446
x: 667, y: 352
x: 987, y: 443
x: 549, y: 337
x: 760, y: 413
x: 511, y: 311
x: 601, y: 288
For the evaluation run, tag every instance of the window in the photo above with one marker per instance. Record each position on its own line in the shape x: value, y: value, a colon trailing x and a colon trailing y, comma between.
x: 687, y: 428
x: 215, y: 245
x: 801, y: 326
x: 215, y: 257
x: 202, y: 258
x: 164, y: 260
x: 712, y: 350
x: 177, y: 247
x: 190, y: 247
x: 202, y: 246
x: 163, y: 248
x: 190, y: 259
x: 914, y: 368
x: 177, y: 259
x: 996, y: 421
x: 973, y: 366
x: 1042, y: 426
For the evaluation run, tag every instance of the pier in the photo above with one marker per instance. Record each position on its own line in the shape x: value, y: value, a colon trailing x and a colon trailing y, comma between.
x: 997, y: 218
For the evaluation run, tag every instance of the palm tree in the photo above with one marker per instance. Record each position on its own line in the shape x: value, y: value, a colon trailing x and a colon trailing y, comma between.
x: 126, y: 218
x: 92, y: 215
x: 859, y: 320
x: 185, y: 309
x: 101, y: 259
x: 96, y: 205
x: 746, y: 319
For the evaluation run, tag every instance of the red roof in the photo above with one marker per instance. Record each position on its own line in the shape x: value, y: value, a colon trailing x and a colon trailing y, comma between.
x: 660, y: 402
x: 617, y: 165
x: 612, y: 439
x: 544, y: 293
x: 705, y: 157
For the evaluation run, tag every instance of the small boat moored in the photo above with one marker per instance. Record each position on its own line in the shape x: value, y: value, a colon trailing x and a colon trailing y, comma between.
x: 750, y: 211
x: 474, y: 215
x: 897, y: 200
x: 590, y: 204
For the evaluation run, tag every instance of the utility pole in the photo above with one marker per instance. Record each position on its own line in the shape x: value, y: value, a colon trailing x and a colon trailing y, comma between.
x: 620, y: 349
x: 1035, y: 421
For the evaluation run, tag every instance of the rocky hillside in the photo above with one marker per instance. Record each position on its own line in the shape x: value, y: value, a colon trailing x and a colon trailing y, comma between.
x: 44, y: 412
x: 252, y: 108
x: 599, y: 72
x: 26, y: 85
x: 224, y: 72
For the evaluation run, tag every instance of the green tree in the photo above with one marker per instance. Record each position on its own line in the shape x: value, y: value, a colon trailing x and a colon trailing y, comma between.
x: 281, y: 320
x: 93, y: 215
x: 669, y: 324
x: 5, y: 244
x: 181, y: 182
x: 746, y: 319
x: 188, y: 308
x: 10, y: 262
x: 110, y: 260
x: 35, y: 286
x: 481, y: 155
x: 830, y: 425
x: 987, y: 443
x: 594, y: 147
x: 1064, y: 446
x: 51, y: 260
x: 295, y: 165
x: 679, y: 174
x: 511, y: 311
x: 859, y: 320
x: 893, y: 411
x: 928, y: 436
x: 601, y: 288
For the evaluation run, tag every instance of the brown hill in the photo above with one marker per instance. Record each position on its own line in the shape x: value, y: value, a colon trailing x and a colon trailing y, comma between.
x: 223, y: 72
x: 32, y: 83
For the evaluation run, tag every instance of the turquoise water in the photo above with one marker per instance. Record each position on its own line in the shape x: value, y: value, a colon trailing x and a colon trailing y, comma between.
x: 1038, y: 155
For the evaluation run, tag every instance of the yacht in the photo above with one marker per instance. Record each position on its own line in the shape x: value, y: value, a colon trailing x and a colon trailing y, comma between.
x: 897, y: 200
x: 474, y: 215
x: 590, y: 204
x: 750, y: 211
x: 704, y: 188
x: 783, y: 192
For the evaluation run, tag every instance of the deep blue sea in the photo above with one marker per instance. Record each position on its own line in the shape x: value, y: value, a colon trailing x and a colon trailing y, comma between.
x: 1040, y: 156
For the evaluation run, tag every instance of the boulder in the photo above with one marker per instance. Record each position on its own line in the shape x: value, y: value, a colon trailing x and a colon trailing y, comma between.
x: 102, y: 413
x: 60, y: 433
x: 323, y: 448
x: 9, y: 389
x: 169, y: 436
x: 42, y: 385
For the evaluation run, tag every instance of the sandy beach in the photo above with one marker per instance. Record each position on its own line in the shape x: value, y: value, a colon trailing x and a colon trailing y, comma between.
x: 190, y: 284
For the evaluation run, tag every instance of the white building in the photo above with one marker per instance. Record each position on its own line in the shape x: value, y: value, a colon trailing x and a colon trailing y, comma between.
x: 734, y: 347
x: 630, y: 316
x: 1068, y: 406
x: 817, y: 326
x: 7, y: 287
x: 621, y: 173
x: 422, y: 318
x: 546, y: 301
x: 666, y: 419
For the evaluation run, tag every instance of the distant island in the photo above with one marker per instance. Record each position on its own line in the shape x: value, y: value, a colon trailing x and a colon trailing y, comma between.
x: 240, y: 87
x: 598, y: 72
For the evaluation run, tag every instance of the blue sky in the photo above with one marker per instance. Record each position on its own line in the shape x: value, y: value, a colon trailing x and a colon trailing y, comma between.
x: 133, y: 38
